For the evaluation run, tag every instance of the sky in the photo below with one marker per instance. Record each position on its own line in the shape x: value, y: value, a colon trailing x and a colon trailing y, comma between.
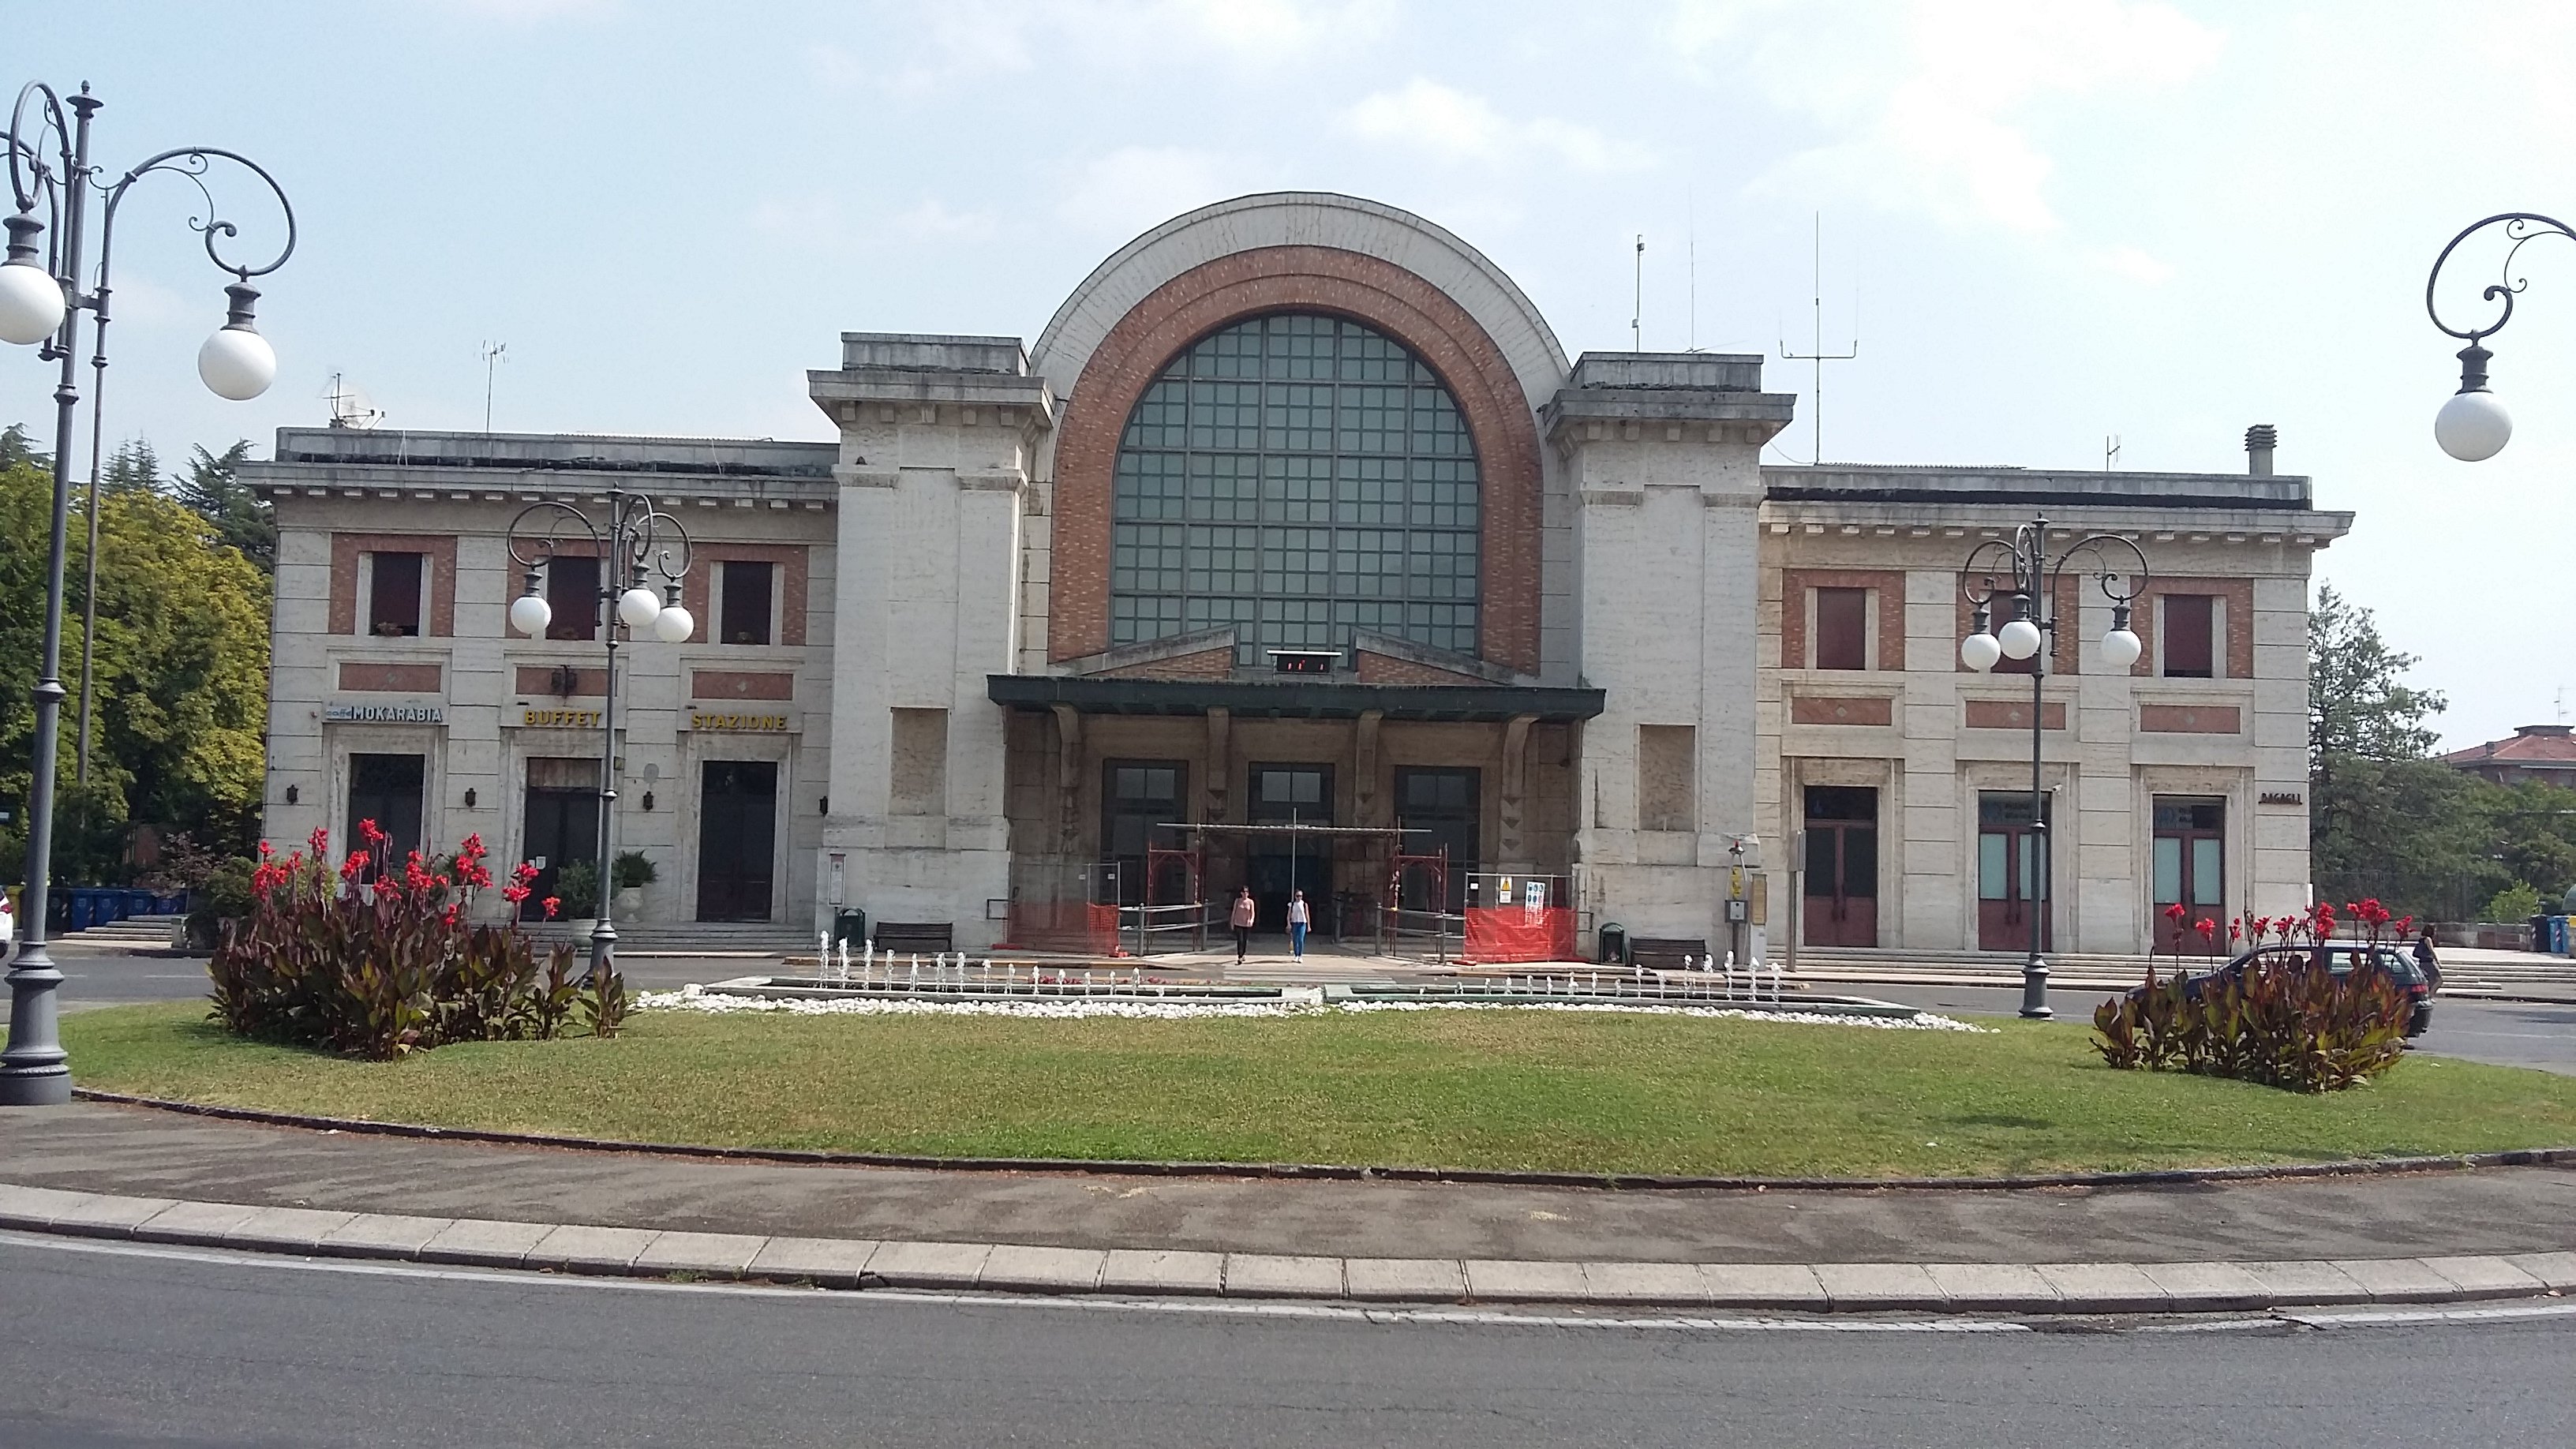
x: 2047, y: 223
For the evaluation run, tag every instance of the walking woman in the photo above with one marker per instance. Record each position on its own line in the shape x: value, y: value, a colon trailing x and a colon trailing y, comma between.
x: 1298, y: 919
x: 1242, y: 923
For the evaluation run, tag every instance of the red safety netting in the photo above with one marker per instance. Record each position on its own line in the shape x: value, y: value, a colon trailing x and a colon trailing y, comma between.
x: 1072, y: 927
x: 1497, y: 934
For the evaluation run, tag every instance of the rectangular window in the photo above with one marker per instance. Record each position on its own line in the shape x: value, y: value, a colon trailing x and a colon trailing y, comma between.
x: 2190, y: 636
x: 1667, y: 777
x: 393, y: 594
x: 2189, y: 859
x: 744, y: 611
x: 917, y: 763
x: 1842, y: 628
x: 572, y: 591
x: 387, y: 789
x: 1136, y: 796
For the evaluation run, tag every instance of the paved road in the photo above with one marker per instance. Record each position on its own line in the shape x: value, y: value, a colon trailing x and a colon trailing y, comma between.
x: 2509, y: 1033
x: 105, y: 1348
x: 97, y: 976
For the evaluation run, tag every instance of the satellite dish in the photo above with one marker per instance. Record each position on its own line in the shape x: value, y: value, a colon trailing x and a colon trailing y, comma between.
x: 349, y: 405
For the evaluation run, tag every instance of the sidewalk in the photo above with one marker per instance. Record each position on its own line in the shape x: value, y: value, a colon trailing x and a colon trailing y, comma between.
x: 2490, y: 1233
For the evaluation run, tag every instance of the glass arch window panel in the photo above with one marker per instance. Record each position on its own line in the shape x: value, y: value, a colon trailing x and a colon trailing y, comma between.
x: 1298, y: 477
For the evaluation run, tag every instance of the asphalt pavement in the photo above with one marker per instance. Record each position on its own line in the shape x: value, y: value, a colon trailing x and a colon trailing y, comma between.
x: 118, y: 1347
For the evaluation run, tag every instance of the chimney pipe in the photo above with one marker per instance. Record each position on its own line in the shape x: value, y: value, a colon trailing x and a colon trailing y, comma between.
x: 2259, y: 440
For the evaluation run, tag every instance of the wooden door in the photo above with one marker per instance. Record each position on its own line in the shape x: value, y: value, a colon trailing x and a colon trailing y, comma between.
x: 2011, y: 874
x: 1841, y: 906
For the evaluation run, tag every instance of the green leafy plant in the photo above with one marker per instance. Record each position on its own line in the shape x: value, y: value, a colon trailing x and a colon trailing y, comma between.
x: 633, y: 870
x: 577, y: 889
x: 379, y: 963
x: 2517, y: 902
x: 2282, y: 1018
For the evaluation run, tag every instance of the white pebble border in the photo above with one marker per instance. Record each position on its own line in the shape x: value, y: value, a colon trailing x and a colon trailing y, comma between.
x: 692, y: 999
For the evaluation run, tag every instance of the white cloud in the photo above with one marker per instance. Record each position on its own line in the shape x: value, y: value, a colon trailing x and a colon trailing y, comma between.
x: 973, y: 41
x: 932, y: 220
x: 1136, y: 187
x: 1460, y: 127
x: 1926, y: 103
x: 2135, y: 264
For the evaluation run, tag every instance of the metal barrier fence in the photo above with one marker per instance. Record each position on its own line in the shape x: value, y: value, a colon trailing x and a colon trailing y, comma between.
x: 1138, y: 926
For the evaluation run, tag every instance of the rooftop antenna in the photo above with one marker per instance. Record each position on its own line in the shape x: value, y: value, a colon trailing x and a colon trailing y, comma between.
x: 1820, y: 356
x: 1637, y: 312
x: 492, y: 356
x: 1690, y: 247
x: 2562, y: 704
x: 349, y: 406
x: 2110, y: 451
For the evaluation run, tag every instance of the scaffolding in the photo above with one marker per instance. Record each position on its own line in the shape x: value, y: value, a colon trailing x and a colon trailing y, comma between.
x: 1432, y: 918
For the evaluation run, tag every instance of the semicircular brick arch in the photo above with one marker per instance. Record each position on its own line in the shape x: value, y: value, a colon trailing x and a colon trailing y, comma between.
x: 1299, y: 279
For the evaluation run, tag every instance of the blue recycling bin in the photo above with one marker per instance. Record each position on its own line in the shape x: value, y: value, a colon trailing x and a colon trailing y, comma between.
x: 140, y: 903
x: 2557, y: 936
x: 78, y: 908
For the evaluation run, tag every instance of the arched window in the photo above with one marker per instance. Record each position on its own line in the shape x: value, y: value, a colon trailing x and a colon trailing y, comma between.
x: 1298, y: 477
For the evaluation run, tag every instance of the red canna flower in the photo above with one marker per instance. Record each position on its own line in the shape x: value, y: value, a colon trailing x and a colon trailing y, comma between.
x: 354, y: 867
x: 514, y: 893
x: 553, y: 904
x: 319, y: 841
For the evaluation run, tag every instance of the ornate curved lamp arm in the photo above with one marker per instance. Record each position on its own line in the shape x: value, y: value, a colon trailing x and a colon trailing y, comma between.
x: 648, y: 551
x: 529, y: 549
x: 30, y: 178
x: 1988, y: 560
x: 2120, y: 587
x: 2520, y: 227
x: 193, y: 163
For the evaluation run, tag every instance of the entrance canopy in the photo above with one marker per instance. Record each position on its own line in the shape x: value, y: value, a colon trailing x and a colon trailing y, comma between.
x: 1301, y: 699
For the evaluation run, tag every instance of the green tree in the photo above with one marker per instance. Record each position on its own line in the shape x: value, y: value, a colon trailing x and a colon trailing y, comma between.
x: 2383, y: 819
x: 132, y: 468
x: 181, y: 675
x: 214, y: 491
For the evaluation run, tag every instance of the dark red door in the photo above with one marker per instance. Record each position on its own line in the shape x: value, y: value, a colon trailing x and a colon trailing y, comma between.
x: 1842, y: 866
x: 2010, y: 882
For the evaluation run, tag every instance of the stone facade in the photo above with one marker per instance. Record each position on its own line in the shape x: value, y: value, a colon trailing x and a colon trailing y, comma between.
x: 1645, y: 718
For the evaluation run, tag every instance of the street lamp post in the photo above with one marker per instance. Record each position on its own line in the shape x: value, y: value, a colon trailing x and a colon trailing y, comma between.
x: 2021, y: 573
x: 635, y: 550
x: 2473, y: 426
x: 41, y: 299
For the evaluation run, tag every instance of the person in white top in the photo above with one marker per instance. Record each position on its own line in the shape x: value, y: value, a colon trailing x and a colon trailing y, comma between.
x: 1298, y: 918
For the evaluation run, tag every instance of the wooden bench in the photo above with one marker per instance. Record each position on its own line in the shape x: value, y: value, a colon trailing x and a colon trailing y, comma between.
x: 924, y: 937
x: 1666, y: 953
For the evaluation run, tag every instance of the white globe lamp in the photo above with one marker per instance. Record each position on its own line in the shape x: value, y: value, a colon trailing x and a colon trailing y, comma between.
x: 674, y: 625
x: 2019, y: 639
x: 530, y: 613
x: 2472, y: 426
x: 2121, y: 648
x: 1979, y: 651
x: 237, y: 363
x: 31, y: 301
x: 637, y: 607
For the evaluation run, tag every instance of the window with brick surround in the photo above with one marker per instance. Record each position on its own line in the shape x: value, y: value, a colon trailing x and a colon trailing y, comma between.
x: 394, y: 590
x: 572, y: 591
x: 745, y: 610
x: 1298, y: 478
x: 2190, y: 636
x: 1842, y: 628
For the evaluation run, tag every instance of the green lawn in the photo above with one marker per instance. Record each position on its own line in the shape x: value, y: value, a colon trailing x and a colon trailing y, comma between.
x: 1545, y: 1090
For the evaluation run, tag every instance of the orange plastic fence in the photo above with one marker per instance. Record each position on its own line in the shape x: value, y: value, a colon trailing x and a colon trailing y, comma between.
x: 1498, y: 934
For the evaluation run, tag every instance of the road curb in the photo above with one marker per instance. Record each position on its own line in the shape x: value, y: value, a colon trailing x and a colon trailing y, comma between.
x: 1339, y: 1172
x: 647, y: 1253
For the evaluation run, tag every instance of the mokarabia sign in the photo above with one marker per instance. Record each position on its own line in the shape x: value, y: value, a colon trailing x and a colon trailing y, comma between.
x: 769, y: 724
x: 560, y: 719
x: 384, y: 714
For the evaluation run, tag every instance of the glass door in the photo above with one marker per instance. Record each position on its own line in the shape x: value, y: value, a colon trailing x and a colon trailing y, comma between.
x: 2189, y: 868
x: 2011, y: 873
x: 1842, y: 866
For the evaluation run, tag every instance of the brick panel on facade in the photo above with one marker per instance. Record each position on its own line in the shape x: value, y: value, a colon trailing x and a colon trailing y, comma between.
x: 1205, y: 664
x: 1290, y: 279
x: 2189, y: 719
x: 544, y: 679
x: 358, y: 676
x: 1376, y: 668
x: 1826, y: 710
x: 2012, y: 714
x: 696, y: 590
x: 2238, y: 601
x: 740, y: 684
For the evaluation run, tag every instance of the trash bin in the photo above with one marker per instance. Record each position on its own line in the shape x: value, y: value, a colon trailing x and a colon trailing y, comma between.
x: 1614, y: 944
x: 850, y: 926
